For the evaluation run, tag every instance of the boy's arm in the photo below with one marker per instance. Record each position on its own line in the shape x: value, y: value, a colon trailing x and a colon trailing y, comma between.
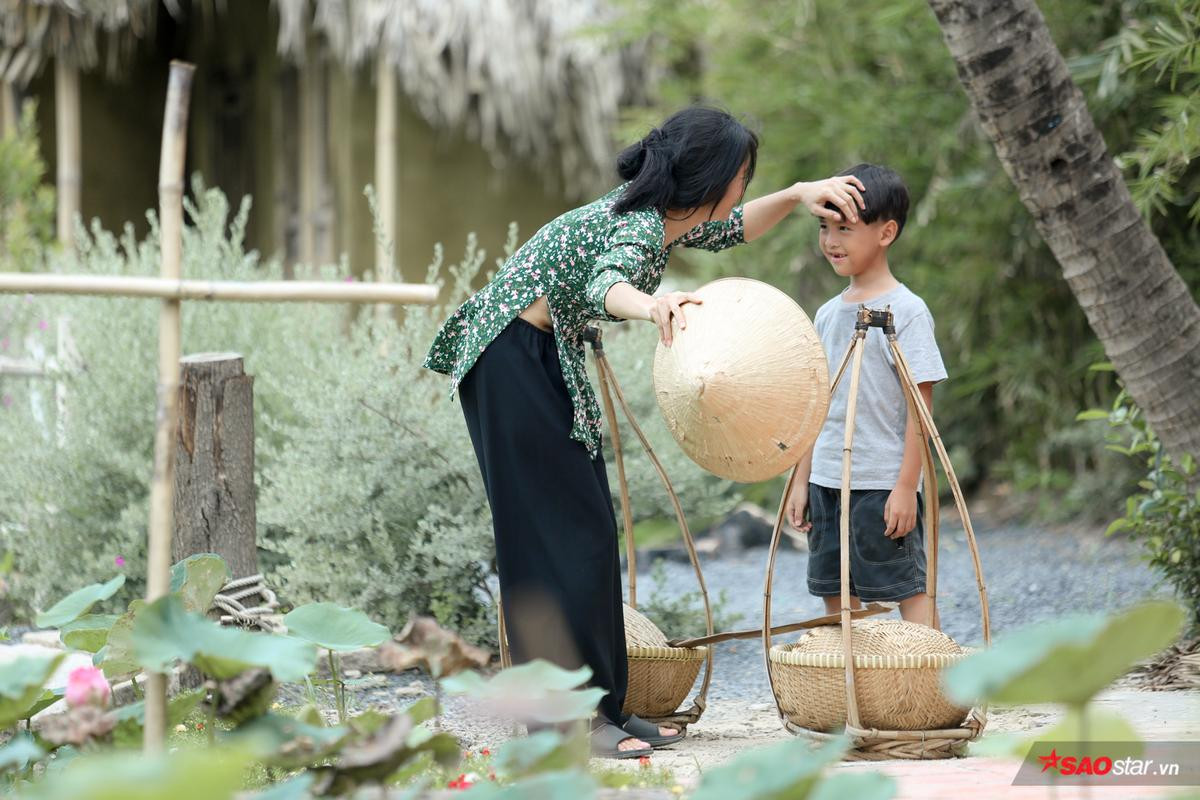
x: 797, y: 500
x: 900, y: 512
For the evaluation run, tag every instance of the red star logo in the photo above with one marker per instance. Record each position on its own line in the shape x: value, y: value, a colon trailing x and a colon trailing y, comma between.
x: 1050, y: 761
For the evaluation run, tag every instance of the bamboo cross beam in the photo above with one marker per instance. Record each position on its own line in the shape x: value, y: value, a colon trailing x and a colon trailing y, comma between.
x: 233, y: 291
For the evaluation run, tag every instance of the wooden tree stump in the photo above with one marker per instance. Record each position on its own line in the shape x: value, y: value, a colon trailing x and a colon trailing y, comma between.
x: 214, y: 462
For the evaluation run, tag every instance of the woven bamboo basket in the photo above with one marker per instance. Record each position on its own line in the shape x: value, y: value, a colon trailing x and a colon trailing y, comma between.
x: 879, y: 679
x: 897, y: 670
x: 660, y: 676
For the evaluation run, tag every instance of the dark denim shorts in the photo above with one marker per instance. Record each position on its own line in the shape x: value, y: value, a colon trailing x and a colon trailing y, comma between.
x: 882, y: 569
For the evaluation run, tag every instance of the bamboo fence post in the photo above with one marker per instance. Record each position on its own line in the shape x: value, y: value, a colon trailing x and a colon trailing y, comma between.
x: 170, y: 204
x: 69, y: 144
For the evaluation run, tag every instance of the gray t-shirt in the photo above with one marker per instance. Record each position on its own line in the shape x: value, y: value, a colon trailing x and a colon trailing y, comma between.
x: 882, y: 412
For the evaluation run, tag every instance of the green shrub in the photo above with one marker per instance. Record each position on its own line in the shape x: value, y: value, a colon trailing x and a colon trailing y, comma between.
x: 369, y: 494
x: 26, y: 204
x: 1165, y: 514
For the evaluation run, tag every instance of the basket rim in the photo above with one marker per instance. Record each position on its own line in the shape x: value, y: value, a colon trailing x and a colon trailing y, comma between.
x: 785, y: 655
x: 666, y: 653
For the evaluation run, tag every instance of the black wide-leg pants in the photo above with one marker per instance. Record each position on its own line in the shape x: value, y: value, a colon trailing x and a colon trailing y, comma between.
x: 552, y: 513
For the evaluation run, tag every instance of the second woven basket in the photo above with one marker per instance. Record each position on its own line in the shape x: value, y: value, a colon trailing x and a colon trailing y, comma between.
x: 660, y: 676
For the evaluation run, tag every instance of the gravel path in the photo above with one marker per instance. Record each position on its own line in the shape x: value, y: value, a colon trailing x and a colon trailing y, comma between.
x: 1031, y: 574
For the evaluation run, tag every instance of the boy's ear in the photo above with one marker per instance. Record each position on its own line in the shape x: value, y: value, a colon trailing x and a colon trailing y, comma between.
x: 888, y: 233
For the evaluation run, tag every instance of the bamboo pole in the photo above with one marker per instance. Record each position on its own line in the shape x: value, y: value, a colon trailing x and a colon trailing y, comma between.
x: 626, y: 508
x: 860, y: 337
x: 870, y: 610
x: 960, y: 502
x: 10, y: 114
x: 385, y: 170
x: 69, y: 143
x: 234, y: 291
x: 313, y: 158
x: 170, y: 210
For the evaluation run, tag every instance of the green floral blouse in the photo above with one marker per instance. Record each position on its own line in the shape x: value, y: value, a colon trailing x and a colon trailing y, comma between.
x: 573, y: 260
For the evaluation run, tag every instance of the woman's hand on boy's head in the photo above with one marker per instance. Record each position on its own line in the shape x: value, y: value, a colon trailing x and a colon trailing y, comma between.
x: 900, y: 512
x: 843, y: 191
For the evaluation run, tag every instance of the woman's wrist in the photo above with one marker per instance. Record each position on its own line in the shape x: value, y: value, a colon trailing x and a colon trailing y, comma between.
x: 797, y: 192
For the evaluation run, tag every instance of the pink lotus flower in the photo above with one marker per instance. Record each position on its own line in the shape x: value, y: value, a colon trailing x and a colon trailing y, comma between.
x: 119, y: 561
x: 86, y: 686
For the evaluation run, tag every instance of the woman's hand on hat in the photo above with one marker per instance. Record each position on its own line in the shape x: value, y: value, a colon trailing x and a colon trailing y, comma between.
x: 843, y: 191
x: 669, y: 307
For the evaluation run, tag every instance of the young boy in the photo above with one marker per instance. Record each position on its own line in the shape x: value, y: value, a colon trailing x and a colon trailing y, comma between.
x: 887, y: 552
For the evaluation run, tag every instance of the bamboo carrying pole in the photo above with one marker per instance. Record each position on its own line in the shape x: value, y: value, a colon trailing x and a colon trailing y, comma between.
x: 69, y: 141
x: 753, y: 633
x: 860, y: 340
x: 930, y: 430
x: 178, y: 289
x: 170, y: 210
x: 609, y: 379
x: 626, y: 509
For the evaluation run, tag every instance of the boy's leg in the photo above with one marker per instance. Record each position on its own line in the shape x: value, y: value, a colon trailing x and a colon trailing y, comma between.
x: 917, y: 608
x: 824, y: 549
x: 833, y: 605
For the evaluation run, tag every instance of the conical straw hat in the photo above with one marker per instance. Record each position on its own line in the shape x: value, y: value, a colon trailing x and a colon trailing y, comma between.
x: 745, y: 387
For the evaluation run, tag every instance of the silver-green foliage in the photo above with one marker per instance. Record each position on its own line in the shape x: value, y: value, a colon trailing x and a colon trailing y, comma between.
x: 369, y: 493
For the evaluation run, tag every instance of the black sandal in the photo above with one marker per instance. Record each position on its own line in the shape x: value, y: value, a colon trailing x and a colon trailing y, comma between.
x: 606, y: 740
x: 648, y: 732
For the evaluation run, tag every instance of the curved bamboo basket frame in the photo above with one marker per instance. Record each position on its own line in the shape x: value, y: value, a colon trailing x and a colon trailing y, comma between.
x: 680, y: 657
x: 870, y: 744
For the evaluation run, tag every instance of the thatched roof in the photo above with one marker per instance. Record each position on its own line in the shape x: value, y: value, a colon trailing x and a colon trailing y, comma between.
x: 535, y: 78
x: 538, y: 78
x: 35, y: 31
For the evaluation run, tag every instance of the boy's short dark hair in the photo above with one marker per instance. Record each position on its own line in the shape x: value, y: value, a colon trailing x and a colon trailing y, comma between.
x: 886, y: 195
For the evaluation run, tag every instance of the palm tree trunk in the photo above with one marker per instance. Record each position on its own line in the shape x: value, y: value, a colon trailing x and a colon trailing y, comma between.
x: 1135, y: 301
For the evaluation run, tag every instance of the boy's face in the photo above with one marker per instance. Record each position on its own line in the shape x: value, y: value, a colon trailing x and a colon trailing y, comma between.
x: 852, y: 247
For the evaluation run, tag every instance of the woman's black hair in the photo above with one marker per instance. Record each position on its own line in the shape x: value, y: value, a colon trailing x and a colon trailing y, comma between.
x: 687, y: 162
